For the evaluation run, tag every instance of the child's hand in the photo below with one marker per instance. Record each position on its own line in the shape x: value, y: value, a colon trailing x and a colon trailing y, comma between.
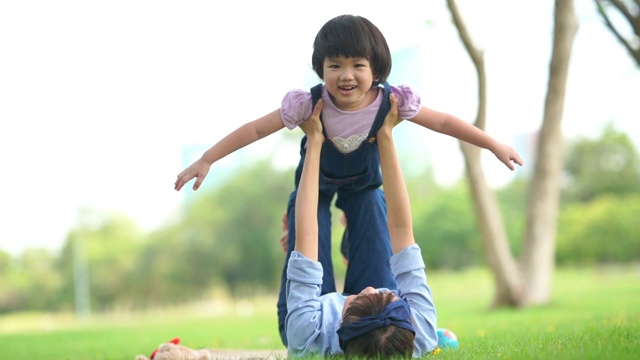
x: 392, y: 119
x: 312, y: 127
x: 198, y: 170
x: 507, y: 155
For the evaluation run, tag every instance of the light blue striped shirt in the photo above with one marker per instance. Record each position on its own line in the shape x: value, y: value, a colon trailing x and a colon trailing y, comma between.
x: 312, y: 321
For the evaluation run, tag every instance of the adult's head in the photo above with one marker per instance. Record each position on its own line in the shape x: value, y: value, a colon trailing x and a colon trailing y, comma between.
x: 376, y: 325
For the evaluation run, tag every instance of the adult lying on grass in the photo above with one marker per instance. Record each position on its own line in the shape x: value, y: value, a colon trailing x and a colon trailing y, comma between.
x: 377, y: 323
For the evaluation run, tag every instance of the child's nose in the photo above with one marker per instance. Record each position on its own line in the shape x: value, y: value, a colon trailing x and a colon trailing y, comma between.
x: 346, y: 74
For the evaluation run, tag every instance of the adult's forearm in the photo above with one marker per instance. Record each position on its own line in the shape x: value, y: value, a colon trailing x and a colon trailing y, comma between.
x: 397, y: 197
x: 307, y: 201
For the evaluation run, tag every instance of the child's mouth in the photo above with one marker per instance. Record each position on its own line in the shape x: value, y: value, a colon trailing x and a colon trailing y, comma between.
x: 347, y: 88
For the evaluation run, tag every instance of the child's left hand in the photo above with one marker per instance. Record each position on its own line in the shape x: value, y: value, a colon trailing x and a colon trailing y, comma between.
x: 508, y: 156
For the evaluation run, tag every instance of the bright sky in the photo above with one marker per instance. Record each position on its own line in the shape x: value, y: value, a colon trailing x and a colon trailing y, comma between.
x: 99, y: 98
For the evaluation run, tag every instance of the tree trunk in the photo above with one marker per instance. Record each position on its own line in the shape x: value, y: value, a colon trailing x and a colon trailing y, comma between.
x: 531, y: 282
x: 509, y: 287
x: 538, y: 257
x: 508, y: 280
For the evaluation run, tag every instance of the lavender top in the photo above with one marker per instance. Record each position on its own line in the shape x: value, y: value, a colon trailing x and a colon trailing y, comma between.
x: 346, y: 129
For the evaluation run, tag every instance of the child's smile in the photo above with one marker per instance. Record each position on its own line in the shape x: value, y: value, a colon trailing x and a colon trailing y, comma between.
x: 348, y: 81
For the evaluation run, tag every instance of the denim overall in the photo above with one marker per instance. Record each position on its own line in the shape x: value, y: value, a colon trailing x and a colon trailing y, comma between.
x: 356, y: 178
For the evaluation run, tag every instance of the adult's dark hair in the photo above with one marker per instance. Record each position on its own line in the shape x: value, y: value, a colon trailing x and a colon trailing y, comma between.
x: 352, y: 36
x: 383, y: 343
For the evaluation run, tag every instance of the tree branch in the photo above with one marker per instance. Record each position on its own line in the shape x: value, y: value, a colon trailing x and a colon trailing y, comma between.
x: 477, y: 58
x: 634, y: 21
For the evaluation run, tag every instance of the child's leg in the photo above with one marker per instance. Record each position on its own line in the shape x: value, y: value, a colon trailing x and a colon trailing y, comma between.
x: 324, y: 253
x: 369, y: 243
x: 344, y: 243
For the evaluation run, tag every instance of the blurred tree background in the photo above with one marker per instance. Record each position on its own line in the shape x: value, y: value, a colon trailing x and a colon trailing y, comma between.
x: 226, y: 238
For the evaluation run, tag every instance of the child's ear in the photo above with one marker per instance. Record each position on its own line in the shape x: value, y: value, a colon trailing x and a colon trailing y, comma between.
x: 376, y: 80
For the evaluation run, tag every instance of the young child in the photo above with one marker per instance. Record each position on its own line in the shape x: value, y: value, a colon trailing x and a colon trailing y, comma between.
x: 376, y: 323
x: 352, y: 58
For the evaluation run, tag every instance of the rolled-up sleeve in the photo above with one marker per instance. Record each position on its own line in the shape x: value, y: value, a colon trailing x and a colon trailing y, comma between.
x: 408, y: 269
x: 304, y: 318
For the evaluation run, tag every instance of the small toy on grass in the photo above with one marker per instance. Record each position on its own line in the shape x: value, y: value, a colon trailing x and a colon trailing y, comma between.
x: 171, y: 350
x: 447, y: 339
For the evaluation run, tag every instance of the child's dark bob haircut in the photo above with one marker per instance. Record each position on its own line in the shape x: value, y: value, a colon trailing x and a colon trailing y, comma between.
x: 352, y: 36
x: 383, y: 343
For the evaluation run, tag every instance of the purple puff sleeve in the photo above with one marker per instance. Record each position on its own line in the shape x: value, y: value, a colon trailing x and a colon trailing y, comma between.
x: 408, y: 101
x: 296, y: 107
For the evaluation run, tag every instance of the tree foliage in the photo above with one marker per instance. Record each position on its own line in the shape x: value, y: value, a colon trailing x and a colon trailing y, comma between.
x: 227, y: 240
x: 602, y: 231
x: 246, y: 245
x: 445, y: 229
x: 109, y: 245
x: 24, y: 280
x: 607, y: 165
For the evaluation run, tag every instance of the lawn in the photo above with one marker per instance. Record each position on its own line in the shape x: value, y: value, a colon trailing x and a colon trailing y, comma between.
x: 594, y: 314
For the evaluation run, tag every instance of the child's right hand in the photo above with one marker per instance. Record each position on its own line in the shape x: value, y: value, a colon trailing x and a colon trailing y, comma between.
x: 198, y: 170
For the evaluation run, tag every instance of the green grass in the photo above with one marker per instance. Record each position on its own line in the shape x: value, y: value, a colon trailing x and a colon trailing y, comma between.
x: 594, y: 314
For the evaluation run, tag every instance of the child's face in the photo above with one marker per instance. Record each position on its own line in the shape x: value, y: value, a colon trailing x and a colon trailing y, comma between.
x: 349, y: 80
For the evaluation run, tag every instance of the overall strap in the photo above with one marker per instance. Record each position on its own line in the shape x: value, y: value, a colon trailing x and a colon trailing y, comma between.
x: 316, y: 94
x: 385, y: 105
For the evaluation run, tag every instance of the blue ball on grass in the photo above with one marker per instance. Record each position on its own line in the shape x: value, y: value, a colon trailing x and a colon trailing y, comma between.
x: 447, y: 339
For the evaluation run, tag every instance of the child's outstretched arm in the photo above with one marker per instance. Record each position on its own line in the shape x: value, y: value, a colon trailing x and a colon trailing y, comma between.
x: 398, y: 206
x: 307, y: 195
x: 450, y: 125
x: 239, y: 138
